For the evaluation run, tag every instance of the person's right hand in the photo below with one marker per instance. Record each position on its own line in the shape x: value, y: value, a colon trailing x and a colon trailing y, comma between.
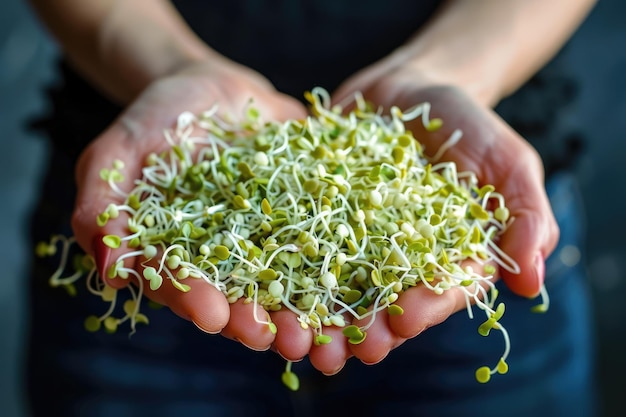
x: 139, y: 132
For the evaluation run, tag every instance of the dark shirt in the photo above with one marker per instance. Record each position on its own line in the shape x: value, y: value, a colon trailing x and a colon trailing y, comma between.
x: 300, y: 44
x: 306, y: 43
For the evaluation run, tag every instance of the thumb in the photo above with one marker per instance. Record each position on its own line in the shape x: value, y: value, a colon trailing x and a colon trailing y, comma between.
x: 533, y: 233
x: 104, y: 171
x: 528, y: 240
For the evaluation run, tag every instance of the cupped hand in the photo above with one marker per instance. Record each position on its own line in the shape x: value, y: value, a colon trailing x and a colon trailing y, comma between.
x: 498, y: 156
x: 136, y: 133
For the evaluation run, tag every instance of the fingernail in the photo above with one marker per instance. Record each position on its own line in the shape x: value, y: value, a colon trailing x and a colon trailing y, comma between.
x: 373, y: 362
x: 335, y: 371
x: 254, y: 348
x: 101, y: 254
x: 540, y: 270
x: 202, y: 329
x: 273, y: 349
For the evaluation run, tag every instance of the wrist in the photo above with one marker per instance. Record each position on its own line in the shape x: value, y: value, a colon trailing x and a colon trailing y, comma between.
x: 481, y: 80
x: 137, y: 45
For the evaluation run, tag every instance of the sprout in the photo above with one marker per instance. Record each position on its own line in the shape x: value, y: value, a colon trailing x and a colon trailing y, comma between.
x: 354, y: 334
x: 92, y: 324
x: 328, y: 280
x: 153, y: 277
x: 276, y: 289
x: 322, y: 339
x: 112, y: 241
x: 331, y: 217
x: 395, y: 310
x: 483, y: 374
x: 290, y: 379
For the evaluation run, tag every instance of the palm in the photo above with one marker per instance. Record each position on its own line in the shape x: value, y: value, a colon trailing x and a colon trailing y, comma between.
x: 498, y: 156
x: 137, y: 133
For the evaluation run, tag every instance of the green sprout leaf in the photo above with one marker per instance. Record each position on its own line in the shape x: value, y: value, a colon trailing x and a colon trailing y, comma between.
x: 395, y: 310
x: 129, y: 307
x: 483, y: 374
x: 153, y: 277
x: 322, y: 339
x: 110, y: 324
x: 486, y: 327
x: 502, y: 367
x: 71, y: 289
x: 140, y: 318
x: 92, y: 324
x: 291, y: 380
x: 354, y: 334
x: 434, y: 125
x: 102, y: 219
x: 112, y: 241
x: 108, y: 293
x: 180, y: 287
x: 222, y: 252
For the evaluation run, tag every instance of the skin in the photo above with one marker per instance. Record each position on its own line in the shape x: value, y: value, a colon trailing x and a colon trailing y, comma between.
x: 141, y: 54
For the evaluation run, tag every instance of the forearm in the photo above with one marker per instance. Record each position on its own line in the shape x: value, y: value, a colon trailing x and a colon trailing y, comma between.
x: 121, y: 46
x: 489, y: 48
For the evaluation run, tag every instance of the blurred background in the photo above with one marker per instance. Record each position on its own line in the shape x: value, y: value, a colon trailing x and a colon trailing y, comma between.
x: 596, y: 54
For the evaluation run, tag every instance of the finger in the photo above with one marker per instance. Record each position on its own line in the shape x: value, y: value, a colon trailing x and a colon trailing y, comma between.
x: 249, y: 325
x: 284, y: 107
x: 292, y: 341
x: 379, y: 341
x: 423, y: 308
x: 330, y: 358
x: 533, y: 233
x: 528, y: 240
x: 203, y: 304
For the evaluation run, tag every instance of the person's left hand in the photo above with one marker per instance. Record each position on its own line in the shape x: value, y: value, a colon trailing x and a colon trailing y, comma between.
x: 498, y: 156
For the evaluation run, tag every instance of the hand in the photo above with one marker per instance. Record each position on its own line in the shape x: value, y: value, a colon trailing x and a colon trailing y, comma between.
x: 498, y: 156
x: 139, y: 132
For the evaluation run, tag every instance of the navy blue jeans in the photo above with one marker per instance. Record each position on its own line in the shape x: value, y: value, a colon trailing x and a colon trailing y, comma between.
x: 169, y: 368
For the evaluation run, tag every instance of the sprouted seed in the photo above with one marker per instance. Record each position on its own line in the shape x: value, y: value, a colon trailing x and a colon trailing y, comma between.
x: 329, y: 217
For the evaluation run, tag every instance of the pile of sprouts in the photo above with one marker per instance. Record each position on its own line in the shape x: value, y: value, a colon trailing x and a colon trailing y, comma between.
x: 330, y: 217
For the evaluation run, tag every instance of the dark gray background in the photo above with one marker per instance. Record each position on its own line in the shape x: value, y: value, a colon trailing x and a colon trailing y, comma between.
x: 597, y: 54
